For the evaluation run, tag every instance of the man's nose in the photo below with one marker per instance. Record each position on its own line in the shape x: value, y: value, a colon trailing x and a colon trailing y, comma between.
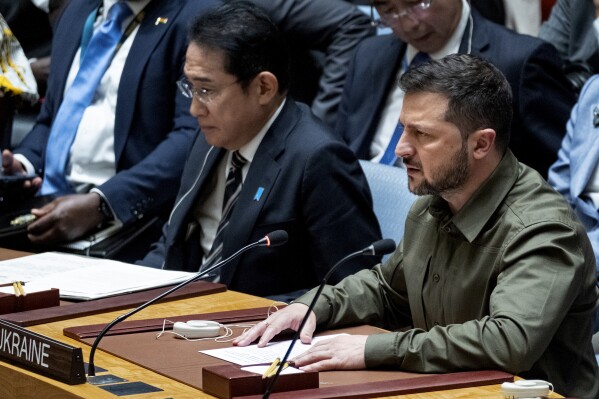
x: 197, y: 108
x: 404, y: 149
x: 407, y: 24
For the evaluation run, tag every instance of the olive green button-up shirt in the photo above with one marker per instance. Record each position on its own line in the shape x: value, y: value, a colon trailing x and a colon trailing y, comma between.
x: 507, y: 283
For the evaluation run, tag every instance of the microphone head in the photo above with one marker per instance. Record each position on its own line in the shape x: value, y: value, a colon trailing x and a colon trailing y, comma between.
x: 382, y: 247
x: 276, y: 238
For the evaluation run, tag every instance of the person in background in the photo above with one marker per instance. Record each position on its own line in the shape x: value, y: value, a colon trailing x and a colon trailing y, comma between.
x: 322, y: 36
x: 436, y: 28
x: 29, y: 20
x: 575, y: 174
x: 129, y: 126
x: 262, y: 162
x: 33, y: 22
x: 494, y: 270
x: 572, y: 28
x: 17, y: 83
x: 523, y: 16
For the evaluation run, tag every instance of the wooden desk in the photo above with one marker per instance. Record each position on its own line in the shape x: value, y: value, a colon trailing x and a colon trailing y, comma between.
x: 18, y: 383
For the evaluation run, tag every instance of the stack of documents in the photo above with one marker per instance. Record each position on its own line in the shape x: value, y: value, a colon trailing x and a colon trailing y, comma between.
x: 84, y: 278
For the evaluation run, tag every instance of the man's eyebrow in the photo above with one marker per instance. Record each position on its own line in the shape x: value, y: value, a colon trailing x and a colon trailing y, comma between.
x: 200, y: 79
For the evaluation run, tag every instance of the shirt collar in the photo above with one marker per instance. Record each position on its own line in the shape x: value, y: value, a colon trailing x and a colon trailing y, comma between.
x: 453, y: 44
x: 135, y: 6
x: 485, y: 201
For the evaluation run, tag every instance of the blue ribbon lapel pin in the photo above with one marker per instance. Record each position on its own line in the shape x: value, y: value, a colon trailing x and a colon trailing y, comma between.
x: 258, y: 194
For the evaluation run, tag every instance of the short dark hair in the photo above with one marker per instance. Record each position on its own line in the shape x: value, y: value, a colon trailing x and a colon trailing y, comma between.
x: 250, y: 42
x: 479, y: 95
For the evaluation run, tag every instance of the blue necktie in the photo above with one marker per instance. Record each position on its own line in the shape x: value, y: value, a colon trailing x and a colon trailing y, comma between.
x: 389, y: 157
x: 79, y: 96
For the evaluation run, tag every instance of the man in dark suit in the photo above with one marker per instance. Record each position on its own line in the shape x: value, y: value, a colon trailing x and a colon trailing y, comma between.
x: 133, y: 136
x: 571, y: 29
x: 371, y: 101
x: 293, y: 175
x: 322, y: 37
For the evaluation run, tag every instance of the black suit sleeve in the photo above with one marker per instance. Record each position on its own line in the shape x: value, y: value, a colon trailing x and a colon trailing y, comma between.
x: 337, y: 208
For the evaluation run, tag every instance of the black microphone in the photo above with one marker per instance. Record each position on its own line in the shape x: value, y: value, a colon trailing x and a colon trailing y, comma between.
x: 378, y: 248
x: 273, y: 239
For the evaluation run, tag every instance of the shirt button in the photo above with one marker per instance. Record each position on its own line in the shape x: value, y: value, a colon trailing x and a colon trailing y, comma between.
x: 447, y: 229
x: 436, y: 278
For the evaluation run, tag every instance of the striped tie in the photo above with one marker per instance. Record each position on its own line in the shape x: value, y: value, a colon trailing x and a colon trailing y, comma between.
x: 232, y: 189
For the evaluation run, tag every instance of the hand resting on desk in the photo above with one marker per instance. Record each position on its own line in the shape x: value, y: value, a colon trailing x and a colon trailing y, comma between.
x: 341, y: 353
x: 65, y: 219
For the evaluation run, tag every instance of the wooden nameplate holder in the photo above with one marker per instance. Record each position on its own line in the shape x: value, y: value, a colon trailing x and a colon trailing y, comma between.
x: 10, y: 303
x: 79, y: 309
x: 41, y: 354
x: 228, y: 381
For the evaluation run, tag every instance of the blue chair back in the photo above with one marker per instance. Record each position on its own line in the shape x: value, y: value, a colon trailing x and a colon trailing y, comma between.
x: 390, y: 195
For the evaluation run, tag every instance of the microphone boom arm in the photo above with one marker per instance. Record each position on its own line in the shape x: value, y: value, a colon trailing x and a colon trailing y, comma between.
x: 275, y: 377
x: 91, y: 371
x: 380, y: 247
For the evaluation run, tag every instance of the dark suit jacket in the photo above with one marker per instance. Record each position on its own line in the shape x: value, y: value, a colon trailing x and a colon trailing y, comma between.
x: 322, y: 37
x: 493, y: 10
x: 570, y: 29
x: 314, y: 189
x: 542, y: 98
x: 153, y: 127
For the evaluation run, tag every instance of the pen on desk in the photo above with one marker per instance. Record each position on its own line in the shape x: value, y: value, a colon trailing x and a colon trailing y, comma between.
x: 263, y: 364
x: 271, y: 369
x: 15, y: 285
x: 20, y: 288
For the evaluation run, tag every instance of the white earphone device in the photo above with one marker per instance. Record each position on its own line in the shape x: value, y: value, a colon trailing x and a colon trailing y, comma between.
x: 197, y: 329
x: 526, y: 389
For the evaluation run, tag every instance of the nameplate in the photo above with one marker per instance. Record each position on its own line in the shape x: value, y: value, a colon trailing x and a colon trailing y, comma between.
x: 41, y: 354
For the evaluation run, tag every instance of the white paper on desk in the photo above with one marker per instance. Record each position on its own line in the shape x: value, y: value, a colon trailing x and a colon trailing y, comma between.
x: 262, y: 369
x: 28, y: 268
x: 80, y: 277
x: 251, y: 354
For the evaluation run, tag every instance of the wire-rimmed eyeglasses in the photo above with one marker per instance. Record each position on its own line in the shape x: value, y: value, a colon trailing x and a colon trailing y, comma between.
x: 390, y: 15
x: 203, y: 95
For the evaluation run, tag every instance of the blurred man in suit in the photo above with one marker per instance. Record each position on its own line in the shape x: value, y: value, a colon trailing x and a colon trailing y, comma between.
x: 436, y: 28
x: 573, y: 28
x: 322, y: 37
x: 126, y: 155
x: 574, y: 174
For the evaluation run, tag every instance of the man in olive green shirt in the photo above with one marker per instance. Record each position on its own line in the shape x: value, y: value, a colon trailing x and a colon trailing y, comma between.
x: 494, y: 271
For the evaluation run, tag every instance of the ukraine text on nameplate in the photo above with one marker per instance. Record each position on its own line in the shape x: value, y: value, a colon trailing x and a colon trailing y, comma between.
x: 41, y: 354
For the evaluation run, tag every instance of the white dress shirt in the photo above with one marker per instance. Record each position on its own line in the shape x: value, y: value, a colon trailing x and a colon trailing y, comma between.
x: 92, y: 157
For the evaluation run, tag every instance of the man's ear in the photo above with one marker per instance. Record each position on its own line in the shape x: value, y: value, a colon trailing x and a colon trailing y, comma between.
x: 267, y: 87
x: 482, y: 142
